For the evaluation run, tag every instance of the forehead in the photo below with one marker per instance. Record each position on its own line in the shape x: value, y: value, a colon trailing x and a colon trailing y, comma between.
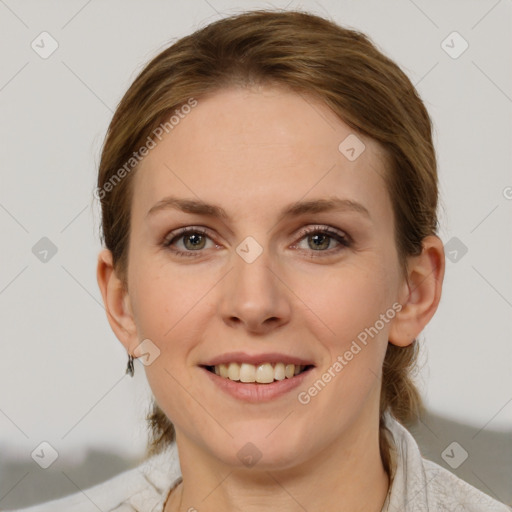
x: 256, y: 149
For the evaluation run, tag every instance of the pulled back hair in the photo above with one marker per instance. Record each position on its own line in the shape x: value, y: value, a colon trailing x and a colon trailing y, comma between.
x: 307, y: 54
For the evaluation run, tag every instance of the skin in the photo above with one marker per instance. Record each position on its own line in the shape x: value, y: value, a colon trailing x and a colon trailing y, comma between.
x: 253, y: 152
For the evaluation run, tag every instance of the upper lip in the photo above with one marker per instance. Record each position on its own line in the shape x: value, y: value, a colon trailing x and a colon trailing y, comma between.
x: 256, y: 359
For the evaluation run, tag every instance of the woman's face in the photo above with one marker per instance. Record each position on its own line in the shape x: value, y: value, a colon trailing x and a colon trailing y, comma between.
x: 257, y: 284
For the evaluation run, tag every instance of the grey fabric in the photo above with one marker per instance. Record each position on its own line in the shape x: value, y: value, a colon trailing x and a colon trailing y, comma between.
x: 142, y: 489
x: 421, y: 485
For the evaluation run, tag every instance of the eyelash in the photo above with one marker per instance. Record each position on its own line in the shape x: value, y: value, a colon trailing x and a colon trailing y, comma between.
x: 343, y: 239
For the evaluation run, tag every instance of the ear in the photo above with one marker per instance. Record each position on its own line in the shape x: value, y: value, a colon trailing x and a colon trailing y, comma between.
x: 116, y: 301
x: 421, y: 292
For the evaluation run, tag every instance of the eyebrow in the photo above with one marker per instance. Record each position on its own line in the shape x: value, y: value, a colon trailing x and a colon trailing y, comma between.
x: 199, y: 207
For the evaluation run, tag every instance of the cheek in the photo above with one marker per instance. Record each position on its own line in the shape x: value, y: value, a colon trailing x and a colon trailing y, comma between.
x: 168, y: 308
x: 348, y: 301
x: 162, y: 300
x: 165, y: 311
x: 356, y: 306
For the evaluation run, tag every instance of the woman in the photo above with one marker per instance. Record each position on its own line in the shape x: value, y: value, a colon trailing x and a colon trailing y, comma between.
x: 268, y: 189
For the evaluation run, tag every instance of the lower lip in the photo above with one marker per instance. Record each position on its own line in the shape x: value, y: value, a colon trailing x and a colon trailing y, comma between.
x: 254, y: 392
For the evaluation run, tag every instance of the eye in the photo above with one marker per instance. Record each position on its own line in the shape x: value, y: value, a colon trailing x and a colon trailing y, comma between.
x: 320, y: 239
x: 193, y: 239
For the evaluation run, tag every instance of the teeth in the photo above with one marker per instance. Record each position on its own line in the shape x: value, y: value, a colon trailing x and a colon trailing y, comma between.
x: 263, y: 374
x: 279, y: 371
x: 247, y: 373
x: 234, y: 371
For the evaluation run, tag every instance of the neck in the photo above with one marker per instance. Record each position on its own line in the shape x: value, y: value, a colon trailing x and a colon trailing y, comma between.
x: 346, y: 476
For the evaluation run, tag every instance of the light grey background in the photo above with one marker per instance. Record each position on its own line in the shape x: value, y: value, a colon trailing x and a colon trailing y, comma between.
x: 62, y: 369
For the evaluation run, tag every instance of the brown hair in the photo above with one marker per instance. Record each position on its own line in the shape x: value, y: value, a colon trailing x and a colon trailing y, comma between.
x: 307, y: 54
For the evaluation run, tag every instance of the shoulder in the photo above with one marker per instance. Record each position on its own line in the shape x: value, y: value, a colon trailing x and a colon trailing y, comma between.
x: 446, y: 488
x: 421, y: 485
x: 141, y: 489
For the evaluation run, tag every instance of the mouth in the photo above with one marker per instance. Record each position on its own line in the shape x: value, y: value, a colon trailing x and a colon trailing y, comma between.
x: 265, y: 373
x: 259, y: 382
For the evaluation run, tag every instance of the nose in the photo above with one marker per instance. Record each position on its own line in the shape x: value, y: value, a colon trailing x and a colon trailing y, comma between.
x: 254, y: 295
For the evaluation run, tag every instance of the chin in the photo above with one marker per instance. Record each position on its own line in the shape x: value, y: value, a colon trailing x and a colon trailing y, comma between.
x: 262, y: 447
x: 253, y: 458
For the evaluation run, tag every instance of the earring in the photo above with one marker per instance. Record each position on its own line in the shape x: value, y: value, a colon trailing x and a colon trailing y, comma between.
x: 130, y: 369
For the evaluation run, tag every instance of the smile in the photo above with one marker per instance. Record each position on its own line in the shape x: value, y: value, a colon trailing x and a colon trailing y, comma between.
x: 265, y: 373
x: 256, y: 392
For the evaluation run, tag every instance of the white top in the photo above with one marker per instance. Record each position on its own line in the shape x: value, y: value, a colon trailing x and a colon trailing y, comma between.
x: 419, y: 485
